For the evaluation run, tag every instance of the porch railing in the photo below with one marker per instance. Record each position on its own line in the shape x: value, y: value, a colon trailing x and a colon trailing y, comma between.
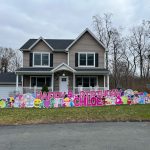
x: 78, y: 89
x: 35, y: 89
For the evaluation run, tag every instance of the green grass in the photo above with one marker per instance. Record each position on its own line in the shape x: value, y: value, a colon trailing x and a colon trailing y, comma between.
x: 83, y: 114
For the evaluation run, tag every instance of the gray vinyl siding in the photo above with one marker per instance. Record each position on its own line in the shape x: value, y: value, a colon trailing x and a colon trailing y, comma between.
x: 86, y: 44
x: 41, y: 47
x: 59, y: 58
x: 26, y: 59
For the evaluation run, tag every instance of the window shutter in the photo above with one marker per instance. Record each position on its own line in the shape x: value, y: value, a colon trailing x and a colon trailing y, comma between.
x: 31, y: 59
x: 76, y: 59
x: 51, y: 60
x: 96, y: 59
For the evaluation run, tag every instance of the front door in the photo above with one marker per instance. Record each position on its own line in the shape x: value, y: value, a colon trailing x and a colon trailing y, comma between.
x: 63, y: 84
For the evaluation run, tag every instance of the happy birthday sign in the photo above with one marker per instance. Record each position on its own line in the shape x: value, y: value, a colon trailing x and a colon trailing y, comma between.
x: 83, y: 99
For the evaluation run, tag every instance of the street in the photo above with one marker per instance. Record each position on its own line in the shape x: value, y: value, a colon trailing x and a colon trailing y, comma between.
x: 77, y: 136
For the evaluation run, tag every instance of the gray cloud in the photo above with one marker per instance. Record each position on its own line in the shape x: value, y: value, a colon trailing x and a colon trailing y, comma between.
x: 21, y: 20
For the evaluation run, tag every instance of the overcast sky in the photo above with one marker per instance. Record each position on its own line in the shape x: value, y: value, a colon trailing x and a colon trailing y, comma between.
x: 24, y: 19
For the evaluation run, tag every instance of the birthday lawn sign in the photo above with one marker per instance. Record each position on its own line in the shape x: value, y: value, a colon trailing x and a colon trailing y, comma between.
x: 83, y: 99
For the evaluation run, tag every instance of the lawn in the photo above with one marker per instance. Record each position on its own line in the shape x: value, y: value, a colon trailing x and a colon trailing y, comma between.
x: 14, y: 116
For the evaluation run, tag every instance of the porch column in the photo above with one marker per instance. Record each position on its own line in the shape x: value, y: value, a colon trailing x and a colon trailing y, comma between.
x: 73, y: 82
x: 52, y: 82
x: 107, y: 82
x: 22, y: 82
x: 16, y: 82
x: 104, y: 82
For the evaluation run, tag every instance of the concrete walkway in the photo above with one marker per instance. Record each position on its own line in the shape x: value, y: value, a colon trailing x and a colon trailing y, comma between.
x: 77, y: 136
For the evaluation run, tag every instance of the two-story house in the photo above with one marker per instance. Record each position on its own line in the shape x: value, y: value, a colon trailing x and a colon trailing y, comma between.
x: 64, y: 64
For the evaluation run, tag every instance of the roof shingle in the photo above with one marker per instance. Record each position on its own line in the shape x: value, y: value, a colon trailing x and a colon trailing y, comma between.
x: 34, y: 69
x: 58, y: 44
x: 9, y: 77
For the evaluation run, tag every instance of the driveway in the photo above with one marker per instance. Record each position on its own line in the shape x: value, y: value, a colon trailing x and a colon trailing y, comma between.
x: 77, y: 136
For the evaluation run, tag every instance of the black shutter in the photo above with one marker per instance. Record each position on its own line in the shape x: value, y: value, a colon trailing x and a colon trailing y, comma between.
x: 31, y: 59
x: 51, y: 60
x: 96, y: 59
x: 76, y: 59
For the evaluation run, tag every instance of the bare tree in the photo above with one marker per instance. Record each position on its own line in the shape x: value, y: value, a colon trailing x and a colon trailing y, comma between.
x: 16, y: 61
x: 139, y: 42
x: 10, y: 59
x: 116, y: 56
x: 104, y: 30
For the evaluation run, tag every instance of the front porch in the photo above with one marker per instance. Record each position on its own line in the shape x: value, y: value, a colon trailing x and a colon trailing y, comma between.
x: 62, y: 79
x: 76, y: 83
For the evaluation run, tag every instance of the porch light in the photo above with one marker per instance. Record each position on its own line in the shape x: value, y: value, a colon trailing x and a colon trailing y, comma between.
x: 63, y: 74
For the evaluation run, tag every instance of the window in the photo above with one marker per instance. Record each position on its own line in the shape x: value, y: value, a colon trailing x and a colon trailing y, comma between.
x: 79, y: 81
x: 63, y: 79
x: 86, y: 81
x: 83, y: 59
x: 41, y: 59
x: 40, y: 81
x: 90, y: 59
x: 45, y: 60
x: 33, y: 81
x: 86, y: 59
x: 93, y: 81
x: 37, y: 59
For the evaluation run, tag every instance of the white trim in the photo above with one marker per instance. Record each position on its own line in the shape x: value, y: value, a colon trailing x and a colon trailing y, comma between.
x: 60, y: 77
x: 16, y: 82
x: 86, y: 59
x: 68, y: 57
x: 104, y: 59
x: 64, y: 65
x: 86, y: 30
x: 40, y: 38
x: 41, y: 53
x: 52, y: 80
x: 74, y: 82
x: 107, y: 82
x: 104, y: 81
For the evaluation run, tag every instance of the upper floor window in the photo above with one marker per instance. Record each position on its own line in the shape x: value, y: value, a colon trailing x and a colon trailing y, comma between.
x: 41, y: 59
x: 86, y: 59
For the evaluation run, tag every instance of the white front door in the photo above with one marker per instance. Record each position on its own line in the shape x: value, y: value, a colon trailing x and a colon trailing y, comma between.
x: 63, y: 84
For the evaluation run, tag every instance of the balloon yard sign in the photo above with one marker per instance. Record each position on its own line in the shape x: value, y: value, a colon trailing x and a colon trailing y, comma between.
x: 83, y: 99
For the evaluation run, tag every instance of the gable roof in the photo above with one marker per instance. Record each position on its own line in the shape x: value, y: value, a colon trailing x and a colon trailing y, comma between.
x: 86, y: 30
x: 38, y: 40
x: 63, y: 66
x: 56, y: 44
